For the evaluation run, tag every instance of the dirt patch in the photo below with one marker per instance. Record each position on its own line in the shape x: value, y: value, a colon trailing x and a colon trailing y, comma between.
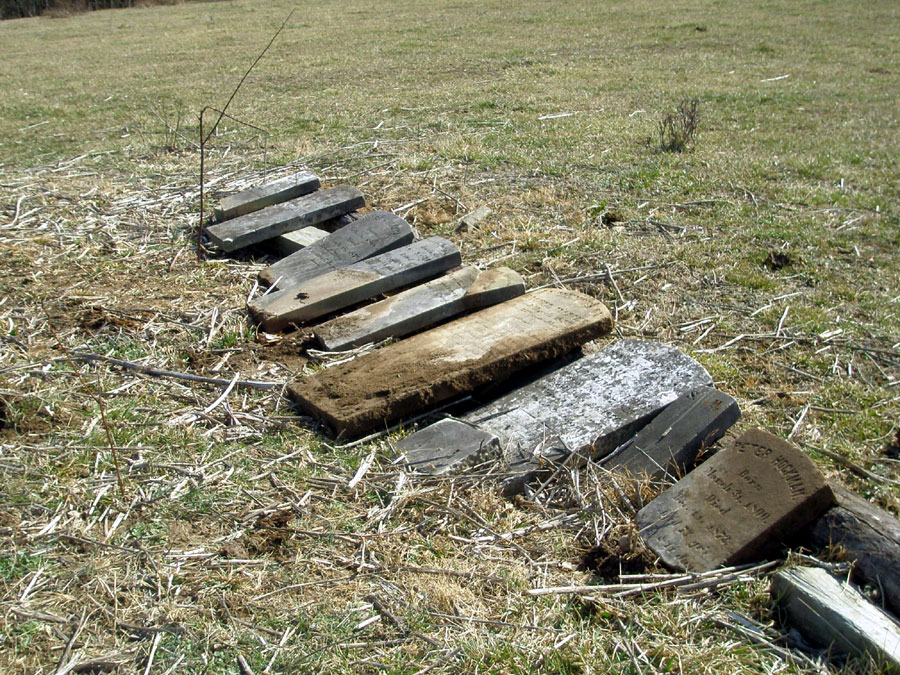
x: 778, y: 260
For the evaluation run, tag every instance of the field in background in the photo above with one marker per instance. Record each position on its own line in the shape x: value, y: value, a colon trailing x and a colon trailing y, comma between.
x: 768, y: 252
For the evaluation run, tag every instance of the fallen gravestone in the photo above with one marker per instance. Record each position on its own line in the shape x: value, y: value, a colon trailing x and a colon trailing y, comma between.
x: 589, y: 407
x: 867, y: 536
x: 448, y: 446
x: 340, y: 288
x: 275, y: 220
x: 375, y: 233
x: 670, y: 443
x: 737, y: 507
x: 836, y: 616
x: 462, y: 290
x: 417, y: 373
x: 256, y: 198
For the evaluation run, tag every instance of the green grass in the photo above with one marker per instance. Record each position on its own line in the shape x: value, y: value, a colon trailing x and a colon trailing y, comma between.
x: 444, y: 103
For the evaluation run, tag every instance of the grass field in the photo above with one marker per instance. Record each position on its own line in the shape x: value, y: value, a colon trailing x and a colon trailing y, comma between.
x: 768, y: 251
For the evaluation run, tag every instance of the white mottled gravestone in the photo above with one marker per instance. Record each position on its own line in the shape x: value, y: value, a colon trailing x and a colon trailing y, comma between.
x: 261, y: 196
x: 355, y: 283
x: 461, y: 290
x: 590, y: 406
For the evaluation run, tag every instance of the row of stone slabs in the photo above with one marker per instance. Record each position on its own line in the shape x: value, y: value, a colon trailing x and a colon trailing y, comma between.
x: 636, y: 409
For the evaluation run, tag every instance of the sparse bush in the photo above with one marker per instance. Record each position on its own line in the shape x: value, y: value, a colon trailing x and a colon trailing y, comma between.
x: 677, y: 129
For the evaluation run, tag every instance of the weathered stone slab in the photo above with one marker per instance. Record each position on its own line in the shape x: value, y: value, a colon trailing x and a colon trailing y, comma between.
x: 488, y: 346
x: 355, y: 283
x: 277, y: 219
x: 737, y: 507
x: 461, y: 290
x: 374, y: 233
x: 448, y: 446
x: 868, y: 536
x: 590, y: 406
x: 836, y: 616
x: 261, y: 196
x: 669, y: 444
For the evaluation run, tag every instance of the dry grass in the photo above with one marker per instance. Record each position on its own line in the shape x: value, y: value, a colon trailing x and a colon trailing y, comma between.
x: 768, y: 253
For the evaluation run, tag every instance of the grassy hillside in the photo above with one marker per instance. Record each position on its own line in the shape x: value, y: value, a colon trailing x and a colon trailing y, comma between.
x: 768, y: 251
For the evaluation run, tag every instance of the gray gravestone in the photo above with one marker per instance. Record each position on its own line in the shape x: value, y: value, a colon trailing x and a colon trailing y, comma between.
x: 261, y: 196
x: 590, y: 406
x: 448, y: 446
x: 422, y: 371
x: 670, y: 443
x: 335, y: 290
x: 272, y: 221
x: 374, y: 233
x: 737, y: 507
x: 461, y: 290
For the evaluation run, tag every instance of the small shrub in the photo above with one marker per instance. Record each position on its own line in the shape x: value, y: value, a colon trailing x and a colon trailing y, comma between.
x: 677, y: 129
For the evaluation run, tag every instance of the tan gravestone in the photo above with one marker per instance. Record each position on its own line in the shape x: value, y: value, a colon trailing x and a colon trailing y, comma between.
x: 422, y: 371
x: 739, y: 506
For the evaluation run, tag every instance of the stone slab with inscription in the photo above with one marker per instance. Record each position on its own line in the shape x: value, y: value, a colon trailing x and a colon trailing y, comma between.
x: 311, y: 209
x: 454, y: 359
x: 374, y: 233
x: 448, y: 446
x: 590, y: 406
x: 462, y: 290
x: 739, y: 506
x: 261, y: 196
x: 340, y: 288
x: 670, y: 443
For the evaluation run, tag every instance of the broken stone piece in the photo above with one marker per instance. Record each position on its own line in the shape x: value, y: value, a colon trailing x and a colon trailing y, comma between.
x: 834, y: 615
x: 340, y: 288
x: 294, y: 241
x: 739, y: 506
x: 275, y: 192
x: 669, y: 444
x: 471, y: 220
x: 277, y: 219
x: 420, y: 372
x: 590, y: 406
x: 461, y: 290
x: 371, y: 235
x: 448, y: 446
